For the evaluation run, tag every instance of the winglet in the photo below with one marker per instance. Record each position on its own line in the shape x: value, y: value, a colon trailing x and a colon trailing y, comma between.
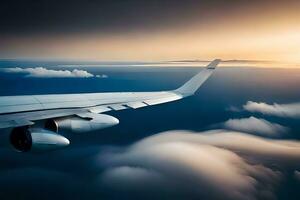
x: 191, y: 86
x: 213, y: 64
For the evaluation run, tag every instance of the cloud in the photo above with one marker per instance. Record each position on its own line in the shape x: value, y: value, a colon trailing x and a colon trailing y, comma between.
x: 101, y: 76
x: 215, y: 164
x: 281, y: 110
x: 297, y: 175
x: 211, y: 165
x: 41, y: 72
x: 233, y: 109
x: 256, y: 126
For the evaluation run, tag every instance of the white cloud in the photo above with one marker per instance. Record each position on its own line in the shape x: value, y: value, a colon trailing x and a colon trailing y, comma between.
x: 210, y: 165
x: 256, y: 126
x: 41, y: 72
x: 281, y: 110
x: 101, y: 76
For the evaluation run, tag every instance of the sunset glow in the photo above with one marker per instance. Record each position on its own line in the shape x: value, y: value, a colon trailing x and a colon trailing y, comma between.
x: 258, y: 31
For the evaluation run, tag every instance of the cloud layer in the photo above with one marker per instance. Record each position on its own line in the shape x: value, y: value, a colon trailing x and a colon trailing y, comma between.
x: 41, y: 72
x: 215, y: 164
x: 281, y: 110
x: 256, y: 126
x: 210, y: 165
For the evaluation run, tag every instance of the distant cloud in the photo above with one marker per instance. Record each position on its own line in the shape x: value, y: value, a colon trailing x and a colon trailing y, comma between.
x: 101, y: 76
x: 281, y: 110
x: 227, y: 61
x: 210, y: 165
x: 297, y: 175
x: 256, y: 126
x: 233, y: 109
x: 41, y: 72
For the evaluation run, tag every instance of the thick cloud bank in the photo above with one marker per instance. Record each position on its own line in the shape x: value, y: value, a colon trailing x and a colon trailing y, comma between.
x: 256, y: 126
x: 281, y: 110
x: 209, y: 165
x: 215, y: 164
x: 41, y: 72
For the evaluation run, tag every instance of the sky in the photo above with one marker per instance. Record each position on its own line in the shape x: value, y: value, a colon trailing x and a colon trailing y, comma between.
x: 141, y: 30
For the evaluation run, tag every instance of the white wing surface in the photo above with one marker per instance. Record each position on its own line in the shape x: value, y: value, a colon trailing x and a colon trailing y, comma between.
x: 18, y: 111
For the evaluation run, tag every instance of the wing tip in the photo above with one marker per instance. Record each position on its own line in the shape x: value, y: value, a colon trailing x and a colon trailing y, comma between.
x: 213, y: 64
x: 192, y: 85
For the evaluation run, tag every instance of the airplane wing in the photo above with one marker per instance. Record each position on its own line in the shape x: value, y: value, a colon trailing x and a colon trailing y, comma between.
x: 18, y: 111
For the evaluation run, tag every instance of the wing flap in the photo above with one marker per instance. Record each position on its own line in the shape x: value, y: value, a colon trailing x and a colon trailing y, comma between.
x: 99, y: 109
x: 117, y: 107
x: 136, y: 105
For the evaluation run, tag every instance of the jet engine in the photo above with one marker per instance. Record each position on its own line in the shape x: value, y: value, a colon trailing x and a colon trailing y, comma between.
x: 82, y: 123
x: 25, y: 139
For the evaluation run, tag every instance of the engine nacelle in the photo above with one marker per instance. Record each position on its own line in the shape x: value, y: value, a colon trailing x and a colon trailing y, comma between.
x: 85, y: 123
x: 24, y: 139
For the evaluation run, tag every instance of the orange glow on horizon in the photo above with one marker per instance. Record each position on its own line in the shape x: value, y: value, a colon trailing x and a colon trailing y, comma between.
x: 265, y: 35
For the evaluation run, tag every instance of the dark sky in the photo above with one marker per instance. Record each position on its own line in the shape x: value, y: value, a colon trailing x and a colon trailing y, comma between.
x: 36, y: 16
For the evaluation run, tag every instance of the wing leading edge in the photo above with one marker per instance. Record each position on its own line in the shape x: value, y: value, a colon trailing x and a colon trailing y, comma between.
x: 23, y: 110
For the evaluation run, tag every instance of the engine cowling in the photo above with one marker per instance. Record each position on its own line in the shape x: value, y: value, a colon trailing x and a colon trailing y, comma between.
x: 85, y: 123
x: 24, y: 139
